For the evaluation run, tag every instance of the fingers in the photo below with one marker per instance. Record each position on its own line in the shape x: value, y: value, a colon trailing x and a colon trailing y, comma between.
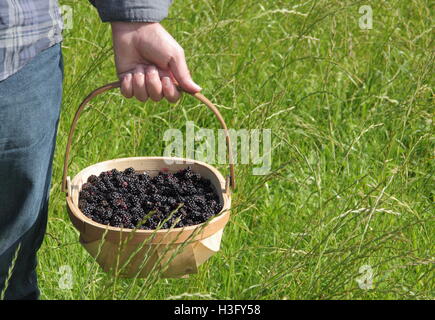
x: 153, y: 83
x: 139, y: 89
x: 127, y: 86
x: 149, y: 82
x: 179, y: 69
x: 169, y: 90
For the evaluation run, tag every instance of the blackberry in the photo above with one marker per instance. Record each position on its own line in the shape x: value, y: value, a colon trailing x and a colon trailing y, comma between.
x: 159, y: 179
x: 97, y: 219
x: 208, y: 212
x: 199, y: 190
x: 188, y: 174
x: 135, y: 200
x: 130, y: 171
x: 137, y: 216
x: 165, y: 209
x: 148, y: 205
x: 85, y: 195
x: 113, y: 173
x: 107, y: 214
x: 189, y: 189
x: 133, y: 189
x: 184, y: 174
x: 169, y: 191
x: 210, y: 196
x: 172, y: 201
x: 87, y: 211
x: 180, y: 224
x: 182, y: 212
x: 100, y: 186
x: 82, y: 203
x: 144, y: 196
x: 143, y: 177
x: 114, y: 195
x: 214, y: 205
x: 156, y: 198
x: 189, y: 202
x: 93, y: 179
x: 86, y: 186
x: 109, y: 185
x: 199, y: 200
x: 99, y: 212
x: 197, y: 215
x: 105, y: 176
x: 152, y: 189
x: 196, y: 176
x: 137, y: 212
x: 119, y: 203
x: 116, y: 221
x: 125, y: 217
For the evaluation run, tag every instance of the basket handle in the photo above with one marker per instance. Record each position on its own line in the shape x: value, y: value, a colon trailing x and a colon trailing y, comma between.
x: 117, y: 84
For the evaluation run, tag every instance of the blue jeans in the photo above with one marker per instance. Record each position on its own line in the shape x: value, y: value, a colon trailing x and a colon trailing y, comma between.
x: 29, y: 113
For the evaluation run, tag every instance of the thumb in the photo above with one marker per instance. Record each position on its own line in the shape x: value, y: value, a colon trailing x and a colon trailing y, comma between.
x: 179, y: 69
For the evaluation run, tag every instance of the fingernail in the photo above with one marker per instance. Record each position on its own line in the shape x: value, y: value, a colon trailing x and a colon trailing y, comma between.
x: 166, y: 81
x: 198, y: 88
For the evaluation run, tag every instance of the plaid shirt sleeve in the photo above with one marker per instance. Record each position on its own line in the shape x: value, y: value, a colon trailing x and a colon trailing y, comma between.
x: 26, y: 28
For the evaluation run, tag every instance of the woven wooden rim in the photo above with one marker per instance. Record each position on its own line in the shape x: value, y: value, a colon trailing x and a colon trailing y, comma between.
x: 117, y: 84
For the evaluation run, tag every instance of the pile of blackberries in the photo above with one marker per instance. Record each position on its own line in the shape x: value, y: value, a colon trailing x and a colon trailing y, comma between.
x: 129, y: 199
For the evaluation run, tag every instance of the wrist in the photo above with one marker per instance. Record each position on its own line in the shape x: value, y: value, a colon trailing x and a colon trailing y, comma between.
x: 121, y: 26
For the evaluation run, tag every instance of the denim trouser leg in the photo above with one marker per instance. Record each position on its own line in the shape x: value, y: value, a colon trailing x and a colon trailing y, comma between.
x: 29, y: 114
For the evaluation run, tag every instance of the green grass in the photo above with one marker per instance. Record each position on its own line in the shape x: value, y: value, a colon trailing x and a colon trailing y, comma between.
x: 351, y: 113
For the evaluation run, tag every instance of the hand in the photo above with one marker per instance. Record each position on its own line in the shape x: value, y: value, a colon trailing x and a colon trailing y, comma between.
x: 148, y: 60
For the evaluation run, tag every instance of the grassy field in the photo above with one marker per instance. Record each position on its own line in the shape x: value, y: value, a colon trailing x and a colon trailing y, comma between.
x: 351, y: 115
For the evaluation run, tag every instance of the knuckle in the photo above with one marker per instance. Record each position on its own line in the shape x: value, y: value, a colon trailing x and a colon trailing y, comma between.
x: 178, y: 52
x: 138, y: 79
x: 152, y: 73
x: 151, y: 68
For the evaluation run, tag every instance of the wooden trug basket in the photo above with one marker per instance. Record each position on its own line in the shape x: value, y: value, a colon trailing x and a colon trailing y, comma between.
x: 174, y: 252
